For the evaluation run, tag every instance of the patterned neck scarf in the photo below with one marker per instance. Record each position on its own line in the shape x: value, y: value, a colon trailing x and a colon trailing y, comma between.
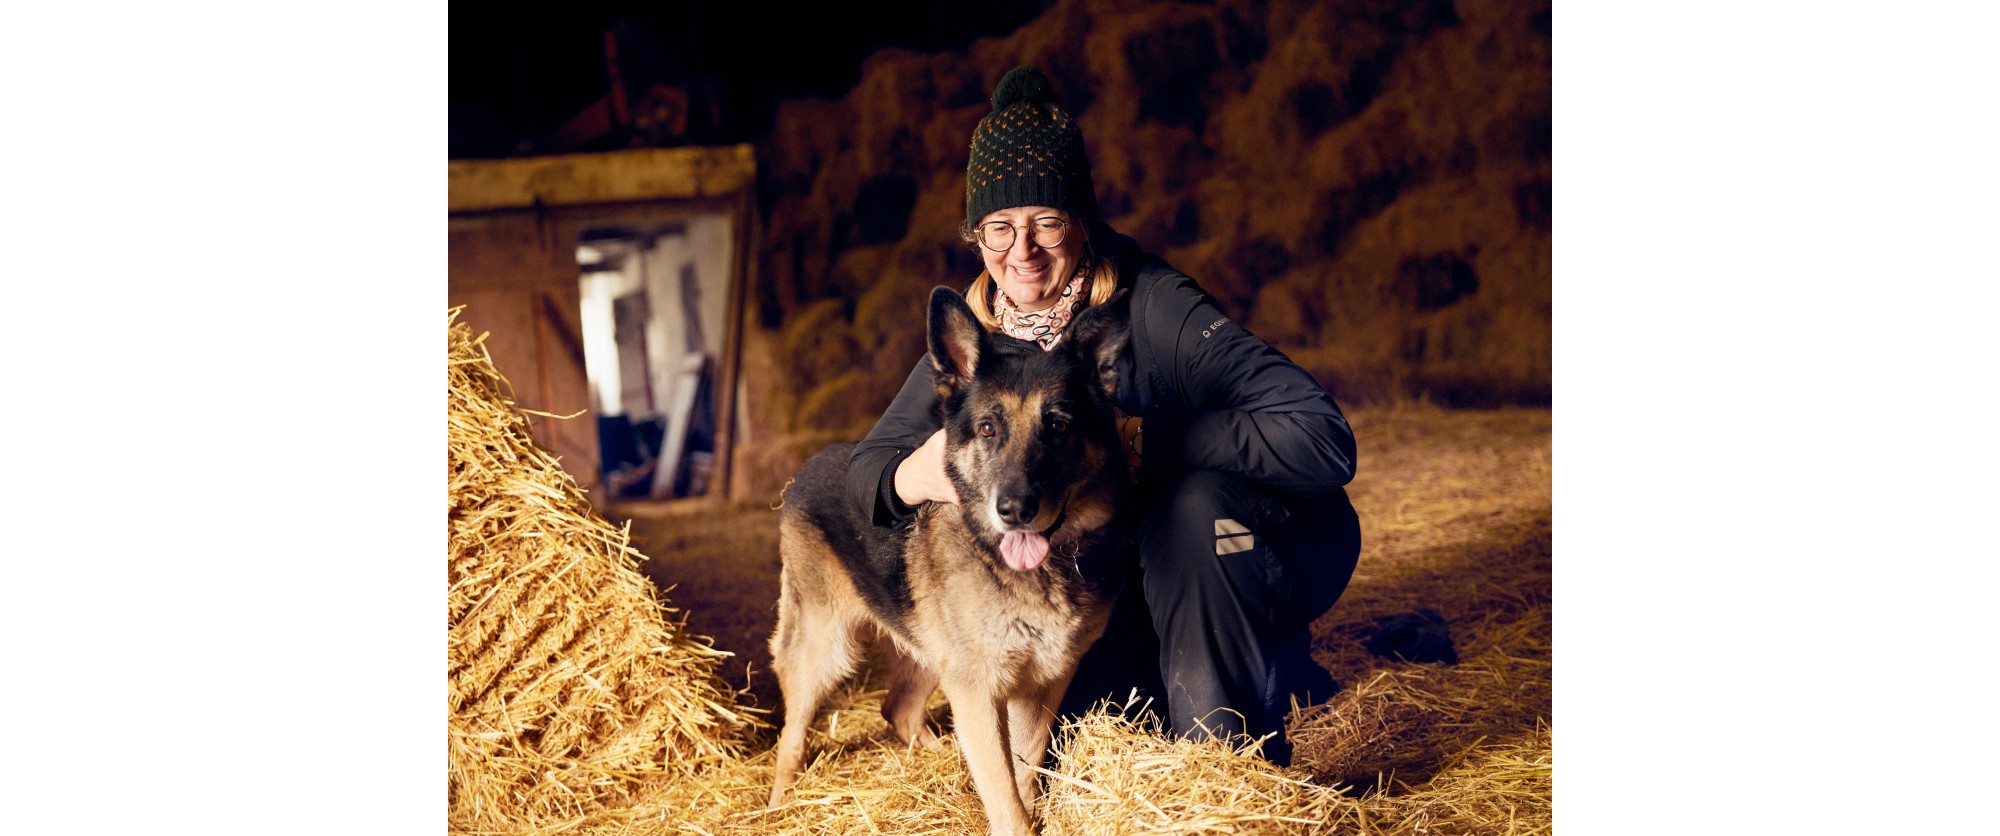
x: 1046, y: 325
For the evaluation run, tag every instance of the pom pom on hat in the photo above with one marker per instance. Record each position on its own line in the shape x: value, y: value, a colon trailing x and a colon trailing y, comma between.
x: 1027, y: 152
x: 1023, y: 84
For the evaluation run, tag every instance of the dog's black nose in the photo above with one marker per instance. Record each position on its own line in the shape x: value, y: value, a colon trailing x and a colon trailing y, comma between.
x: 1017, y: 510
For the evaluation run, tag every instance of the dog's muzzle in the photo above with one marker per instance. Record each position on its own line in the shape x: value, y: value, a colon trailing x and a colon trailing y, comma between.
x: 1024, y: 550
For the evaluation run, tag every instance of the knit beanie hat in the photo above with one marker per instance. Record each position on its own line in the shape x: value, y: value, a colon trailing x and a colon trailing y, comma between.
x: 1027, y: 152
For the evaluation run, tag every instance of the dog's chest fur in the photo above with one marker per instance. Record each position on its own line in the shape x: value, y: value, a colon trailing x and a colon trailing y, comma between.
x: 1024, y: 627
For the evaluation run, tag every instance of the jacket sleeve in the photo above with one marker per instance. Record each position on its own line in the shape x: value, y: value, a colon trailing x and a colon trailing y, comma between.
x: 1234, y: 403
x: 871, y: 470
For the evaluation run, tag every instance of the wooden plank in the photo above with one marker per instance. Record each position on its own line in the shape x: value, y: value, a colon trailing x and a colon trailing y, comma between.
x: 565, y: 389
x: 742, y: 269
x: 507, y: 315
x: 509, y: 274
x: 514, y: 251
x: 610, y: 177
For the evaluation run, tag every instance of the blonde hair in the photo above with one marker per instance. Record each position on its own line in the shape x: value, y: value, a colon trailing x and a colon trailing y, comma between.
x: 1103, y: 283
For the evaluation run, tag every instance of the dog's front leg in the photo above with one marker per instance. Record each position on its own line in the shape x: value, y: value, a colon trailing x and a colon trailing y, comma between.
x: 910, y: 685
x: 981, y: 722
x: 1030, y: 718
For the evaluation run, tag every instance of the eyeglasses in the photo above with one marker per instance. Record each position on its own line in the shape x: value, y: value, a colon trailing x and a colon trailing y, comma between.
x: 1047, y: 233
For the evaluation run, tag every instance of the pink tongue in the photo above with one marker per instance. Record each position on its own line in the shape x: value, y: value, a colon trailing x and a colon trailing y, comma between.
x: 1024, y: 549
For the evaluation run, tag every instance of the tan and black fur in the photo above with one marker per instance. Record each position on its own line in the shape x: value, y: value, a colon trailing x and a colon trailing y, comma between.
x: 1030, y: 447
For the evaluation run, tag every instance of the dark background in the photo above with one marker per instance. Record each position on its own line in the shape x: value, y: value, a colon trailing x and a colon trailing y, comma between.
x: 520, y: 69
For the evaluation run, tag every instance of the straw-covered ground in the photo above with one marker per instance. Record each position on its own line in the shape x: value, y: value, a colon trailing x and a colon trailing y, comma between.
x: 1456, y: 513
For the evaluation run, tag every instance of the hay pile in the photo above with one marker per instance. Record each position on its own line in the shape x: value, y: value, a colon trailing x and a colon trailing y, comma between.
x: 569, y: 689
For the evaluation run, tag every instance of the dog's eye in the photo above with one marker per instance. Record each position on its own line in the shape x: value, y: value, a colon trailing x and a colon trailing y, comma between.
x: 1058, y: 426
x: 986, y: 429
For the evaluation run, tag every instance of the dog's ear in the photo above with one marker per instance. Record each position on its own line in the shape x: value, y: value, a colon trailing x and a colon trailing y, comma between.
x: 956, y: 338
x: 1099, y: 335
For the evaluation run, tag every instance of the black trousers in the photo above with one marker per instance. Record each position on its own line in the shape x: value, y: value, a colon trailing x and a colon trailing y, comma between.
x: 1214, y: 625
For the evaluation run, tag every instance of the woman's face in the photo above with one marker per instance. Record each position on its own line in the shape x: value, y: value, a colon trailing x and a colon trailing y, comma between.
x: 1032, y: 275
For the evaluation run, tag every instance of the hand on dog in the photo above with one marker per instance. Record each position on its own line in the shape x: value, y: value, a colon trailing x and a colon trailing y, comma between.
x: 920, y: 478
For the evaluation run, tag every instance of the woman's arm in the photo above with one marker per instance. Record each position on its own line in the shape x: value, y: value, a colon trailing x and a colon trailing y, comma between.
x: 1243, y: 406
x: 910, y: 420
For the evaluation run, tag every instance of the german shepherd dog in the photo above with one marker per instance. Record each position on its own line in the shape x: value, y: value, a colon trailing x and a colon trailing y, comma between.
x: 985, y: 599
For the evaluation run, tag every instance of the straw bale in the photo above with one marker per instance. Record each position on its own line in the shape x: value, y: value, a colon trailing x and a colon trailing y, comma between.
x: 569, y: 687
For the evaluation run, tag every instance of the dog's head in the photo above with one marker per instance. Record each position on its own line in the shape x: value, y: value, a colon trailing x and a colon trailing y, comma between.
x: 1030, y: 440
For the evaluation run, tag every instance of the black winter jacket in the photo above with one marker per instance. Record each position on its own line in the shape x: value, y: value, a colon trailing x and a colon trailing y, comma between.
x: 1213, y: 396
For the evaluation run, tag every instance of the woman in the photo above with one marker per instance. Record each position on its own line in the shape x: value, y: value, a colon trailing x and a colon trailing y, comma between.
x: 1245, y: 534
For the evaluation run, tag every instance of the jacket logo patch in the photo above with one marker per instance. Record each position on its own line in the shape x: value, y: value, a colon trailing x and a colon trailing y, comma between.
x: 1213, y: 327
x: 1232, y: 537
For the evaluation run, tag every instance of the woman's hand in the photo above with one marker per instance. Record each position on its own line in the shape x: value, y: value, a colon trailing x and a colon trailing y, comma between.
x: 920, y: 478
